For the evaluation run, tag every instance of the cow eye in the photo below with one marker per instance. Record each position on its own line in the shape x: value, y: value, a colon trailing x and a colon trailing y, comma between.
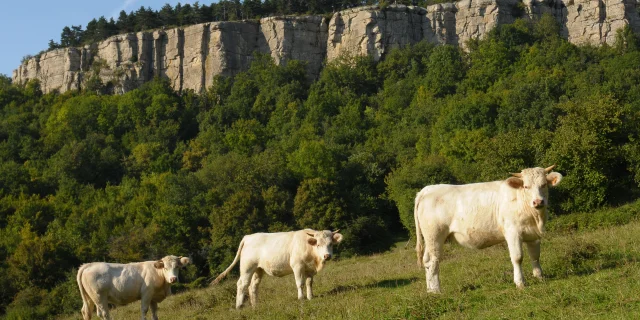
x: 526, y: 187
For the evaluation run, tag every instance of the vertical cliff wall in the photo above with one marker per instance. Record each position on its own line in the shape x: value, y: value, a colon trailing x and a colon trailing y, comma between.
x: 299, y: 38
x: 192, y: 56
x: 373, y: 31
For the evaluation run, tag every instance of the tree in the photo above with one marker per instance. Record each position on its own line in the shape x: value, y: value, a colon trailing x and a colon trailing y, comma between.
x: 167, y: 16
x: 318, y: 205
x: 53, y: 45
x: 125, y: 22
x: 71, y: 37
x: 145, y: 19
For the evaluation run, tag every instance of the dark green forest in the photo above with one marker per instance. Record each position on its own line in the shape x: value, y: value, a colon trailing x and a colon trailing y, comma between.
x: 119, y: 178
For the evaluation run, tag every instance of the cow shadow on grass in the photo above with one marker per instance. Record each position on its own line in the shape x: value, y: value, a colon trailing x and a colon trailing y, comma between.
x: 390, y: 283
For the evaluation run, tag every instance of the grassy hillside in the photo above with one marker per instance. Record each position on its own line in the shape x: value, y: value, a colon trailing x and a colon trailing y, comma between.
x: 589, y: 275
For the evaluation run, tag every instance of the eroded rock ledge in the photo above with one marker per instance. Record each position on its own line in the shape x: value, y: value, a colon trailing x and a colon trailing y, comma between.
x: 191, y: 56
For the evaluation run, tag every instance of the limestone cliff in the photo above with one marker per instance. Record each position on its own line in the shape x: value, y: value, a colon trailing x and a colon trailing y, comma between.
x: 191, y: 56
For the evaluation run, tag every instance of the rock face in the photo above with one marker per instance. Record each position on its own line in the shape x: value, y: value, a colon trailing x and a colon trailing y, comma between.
x: 299, y: 38
x: 372, y: 31
x: 192, y: 56
x: 475, y: 18
x: 57, y: 69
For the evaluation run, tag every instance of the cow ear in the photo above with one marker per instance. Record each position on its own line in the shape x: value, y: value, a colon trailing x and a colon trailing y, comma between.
x: 515, y: 183
x: 554, y: 178
x: 312, y: 241
x: 337, y: 238
x: 159, y: 264
x: 185, y: 261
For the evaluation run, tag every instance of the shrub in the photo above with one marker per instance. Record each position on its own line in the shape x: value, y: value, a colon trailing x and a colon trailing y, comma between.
x: 365, y: 235
x: 404, y: 183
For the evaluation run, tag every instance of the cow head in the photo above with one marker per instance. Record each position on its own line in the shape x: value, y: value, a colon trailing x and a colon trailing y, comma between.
x: 323, y: 241
x: 170, y: 265
x: 534, y: 183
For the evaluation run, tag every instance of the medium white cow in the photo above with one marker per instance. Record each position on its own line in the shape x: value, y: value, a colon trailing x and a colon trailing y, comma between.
x: 104, y: 283
x: 302, y: 253
x: 480, y: 215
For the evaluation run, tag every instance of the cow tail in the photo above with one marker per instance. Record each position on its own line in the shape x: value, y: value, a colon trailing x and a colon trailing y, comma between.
x: 235, y: 260
x: 419, y: 245
x: 83, y: 292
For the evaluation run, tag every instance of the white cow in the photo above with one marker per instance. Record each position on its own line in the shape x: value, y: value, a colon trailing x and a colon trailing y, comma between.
x: 104, y: 283
x: 480, y: 215
x: 302, y: 253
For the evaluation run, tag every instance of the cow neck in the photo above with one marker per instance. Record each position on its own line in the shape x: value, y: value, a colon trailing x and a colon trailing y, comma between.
x: 319, y: 264
x: 539, y: 216
x: 315, y: 259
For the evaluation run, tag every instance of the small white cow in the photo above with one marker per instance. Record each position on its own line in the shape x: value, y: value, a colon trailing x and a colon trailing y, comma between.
x: 104, y: 283
x: 480, y: 215
x: 302, y: 253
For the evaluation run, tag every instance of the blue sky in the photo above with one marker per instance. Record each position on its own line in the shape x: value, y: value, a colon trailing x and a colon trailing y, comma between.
x: 27, y: 26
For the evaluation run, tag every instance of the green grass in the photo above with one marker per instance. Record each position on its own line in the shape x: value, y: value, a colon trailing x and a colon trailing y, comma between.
x: 590, y: 274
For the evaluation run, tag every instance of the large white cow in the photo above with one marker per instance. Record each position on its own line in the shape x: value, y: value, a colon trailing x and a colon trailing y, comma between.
x: 480, y: 215
x: 302, y: 253
x: 104, y: 283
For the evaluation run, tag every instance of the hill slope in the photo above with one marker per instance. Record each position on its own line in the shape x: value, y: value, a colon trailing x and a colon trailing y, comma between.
x: 589, y: 275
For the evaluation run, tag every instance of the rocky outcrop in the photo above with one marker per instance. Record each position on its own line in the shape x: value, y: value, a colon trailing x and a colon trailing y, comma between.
x: 300, y: 38
x: 596, y: 21
x: 191, y: 57
x: 475, y: 18
x: 440, y: 24
x: 57, y: 69
x: 373, y: 31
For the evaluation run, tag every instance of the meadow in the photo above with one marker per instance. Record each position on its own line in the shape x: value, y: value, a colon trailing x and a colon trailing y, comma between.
x: 589, y: 274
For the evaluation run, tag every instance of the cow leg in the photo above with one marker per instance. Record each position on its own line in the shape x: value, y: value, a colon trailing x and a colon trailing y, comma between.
x: 243, y: 283
x: 144, y: 304
x: 309, y: 287
x: 431, y: 261
x: 298, y: 272
x: 88, y: 308
x: 103, y: 310
x: 253, y: 289
x: 154, y: 310
x: 515, y: 252
x: 534, y: 254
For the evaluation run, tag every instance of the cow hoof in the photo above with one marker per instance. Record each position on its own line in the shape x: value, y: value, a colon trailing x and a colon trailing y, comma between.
x: 520, y: 286
x: 434, y: 291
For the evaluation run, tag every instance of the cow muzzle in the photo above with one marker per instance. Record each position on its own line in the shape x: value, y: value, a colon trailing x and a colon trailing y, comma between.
x: 538, y: 203
x: 173, y: 279
x: 327, y: 257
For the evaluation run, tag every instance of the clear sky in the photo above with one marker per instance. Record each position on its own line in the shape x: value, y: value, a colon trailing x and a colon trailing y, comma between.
x: 27, y: 26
